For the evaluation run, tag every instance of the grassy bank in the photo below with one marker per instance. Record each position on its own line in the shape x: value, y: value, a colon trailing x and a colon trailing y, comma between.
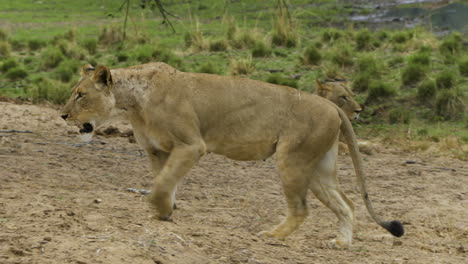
x: 402, y: 76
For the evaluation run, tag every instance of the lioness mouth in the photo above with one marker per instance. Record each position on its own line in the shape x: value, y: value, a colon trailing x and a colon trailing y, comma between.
x: 87, y: 128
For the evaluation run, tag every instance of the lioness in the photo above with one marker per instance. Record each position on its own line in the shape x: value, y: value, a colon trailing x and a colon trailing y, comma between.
x: 339, y: 93
x: 177, y: 117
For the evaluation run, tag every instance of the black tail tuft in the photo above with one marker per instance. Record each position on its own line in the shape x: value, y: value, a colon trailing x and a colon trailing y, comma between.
x: 394, y: 227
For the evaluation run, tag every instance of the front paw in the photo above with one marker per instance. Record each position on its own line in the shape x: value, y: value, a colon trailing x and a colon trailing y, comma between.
x: 163, y: 206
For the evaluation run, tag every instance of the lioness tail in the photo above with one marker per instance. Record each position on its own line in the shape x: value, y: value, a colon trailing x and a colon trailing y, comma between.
x: 394, y: 227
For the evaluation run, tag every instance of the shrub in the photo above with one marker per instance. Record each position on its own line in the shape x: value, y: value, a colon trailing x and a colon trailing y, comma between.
x: 382, y: 35
x: 195, y: 39
x: 17, y: 45
x: 400, y: 37
x: 3, y: 35
x: 51, y: 57
x: 244, y: 40
x: 368, y: 64
x: 284, y: 33
x: 451, y: 44
x: 396, y: 61
x: 413, y: 73
x: 311, y: 56
x: 330, y: 35
x: 208, y: 68
x: 71, y: 50
x: 35, y: 44
x: 90, y: 45
x: 364, y: 40
x: 66, y: 70
x: 361, y: 82
x: 343, y: 56
x: 232, y: 29
x: 445, y: 79
x: 261, y: 50
x: 8, y: 64
x: 5, y: 49
x: 218, y: 45
x: 450, y: 103
x: 463, y: 67
x: 110, y: 36
x: 242, y: 66
x: 379, y: 90
x: 49, y: 90
x: 122, y: 56
x: 399, y: 115
x: 166, y: 56
x: 422, y: 58
x: 278, y: 79
x: 426, y: 90
x: 15, y: 74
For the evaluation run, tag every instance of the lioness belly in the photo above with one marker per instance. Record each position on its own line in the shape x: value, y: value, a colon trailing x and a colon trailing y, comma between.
x: 243, y: 150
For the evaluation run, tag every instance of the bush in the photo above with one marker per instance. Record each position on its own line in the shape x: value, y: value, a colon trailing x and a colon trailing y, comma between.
x: 242, y: 66
x: 450, y: 103
x: 361, y: 82
x: 218, y: 45
x: 412, y: 74
x: 15, y: 74
x: 8, y: 64
x: 261, y: 50
x: 278, y: 79
x: 311, y: 56
x: 445, y: 79
x: 17, y: 45
x: 426, y: 90
x: 382, y: 35
x: 379, y: 90
x: 451, y: 44
x: 35, y: 44
x: 71, y: 50
x: 122, y: 56
x: 208, y: 68
x: 110, y: 36
x: 368, y: 64
x: 284, y: 34
x: 66, y: 70
x: 244, y: 40
x: 331, y: 35
x: 422, y: 58
x: 195, y: 39
x: 364, y: 40
x: 166, y: 56
x: 463, y: 67
x: 343, y: 56
x: 50, y: 90
x: 400, y: 37
x: 5, y: 49
x: 396, y: 61
x: 399, y: 115
x: 3, y: 35
x: 51, y: 57
x: 90, y: 45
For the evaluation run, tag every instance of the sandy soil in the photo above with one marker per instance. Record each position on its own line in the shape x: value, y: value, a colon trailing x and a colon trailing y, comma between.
x: 62, y: 201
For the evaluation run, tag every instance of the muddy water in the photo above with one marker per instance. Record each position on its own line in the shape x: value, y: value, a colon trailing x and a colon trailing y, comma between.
x: 440, y: 16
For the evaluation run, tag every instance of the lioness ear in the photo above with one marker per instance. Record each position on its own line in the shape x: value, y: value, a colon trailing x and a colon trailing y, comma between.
x: 86, y: 70
x: 321, y: 89
x: 103, y: 75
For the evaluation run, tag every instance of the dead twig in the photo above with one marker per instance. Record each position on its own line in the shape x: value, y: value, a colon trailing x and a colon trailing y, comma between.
x: 16, y: 131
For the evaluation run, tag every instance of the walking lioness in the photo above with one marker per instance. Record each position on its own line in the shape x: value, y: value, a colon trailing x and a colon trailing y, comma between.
x: 177, y: 117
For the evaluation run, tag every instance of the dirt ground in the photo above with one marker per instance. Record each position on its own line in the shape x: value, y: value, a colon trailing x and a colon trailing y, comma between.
x: 62, y: 201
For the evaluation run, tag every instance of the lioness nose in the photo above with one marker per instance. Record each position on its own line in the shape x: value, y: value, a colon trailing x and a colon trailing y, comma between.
x: 64, y: 117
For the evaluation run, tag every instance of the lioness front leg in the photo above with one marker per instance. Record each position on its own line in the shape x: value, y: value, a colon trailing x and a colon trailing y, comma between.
x: 179, y: 162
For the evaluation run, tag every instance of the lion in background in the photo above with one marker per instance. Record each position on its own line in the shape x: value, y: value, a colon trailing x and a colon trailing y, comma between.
x: 177, y: 117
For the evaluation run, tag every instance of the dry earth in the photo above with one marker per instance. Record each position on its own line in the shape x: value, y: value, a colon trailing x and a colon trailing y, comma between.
x: 62, y: 201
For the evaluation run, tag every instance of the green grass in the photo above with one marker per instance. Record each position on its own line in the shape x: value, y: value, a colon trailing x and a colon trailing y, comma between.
x: 253, y: 38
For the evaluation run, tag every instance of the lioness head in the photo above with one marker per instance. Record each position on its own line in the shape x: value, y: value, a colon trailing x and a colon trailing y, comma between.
x: 91, y: 102
x: 339, y: 93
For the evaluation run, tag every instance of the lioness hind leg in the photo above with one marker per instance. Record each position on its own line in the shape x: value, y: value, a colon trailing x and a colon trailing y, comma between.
x: 294, y: 176
x: 324, y: 185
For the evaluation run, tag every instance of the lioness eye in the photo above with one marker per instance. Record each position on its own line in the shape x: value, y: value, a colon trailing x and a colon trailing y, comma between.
x: 344, y: 98
x: 79, y: 95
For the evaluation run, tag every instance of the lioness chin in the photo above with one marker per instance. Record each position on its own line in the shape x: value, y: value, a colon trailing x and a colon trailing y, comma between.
x: 177, y: 117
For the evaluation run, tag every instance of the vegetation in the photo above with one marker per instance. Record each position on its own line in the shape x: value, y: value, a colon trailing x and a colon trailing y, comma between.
x: 402, y: 75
